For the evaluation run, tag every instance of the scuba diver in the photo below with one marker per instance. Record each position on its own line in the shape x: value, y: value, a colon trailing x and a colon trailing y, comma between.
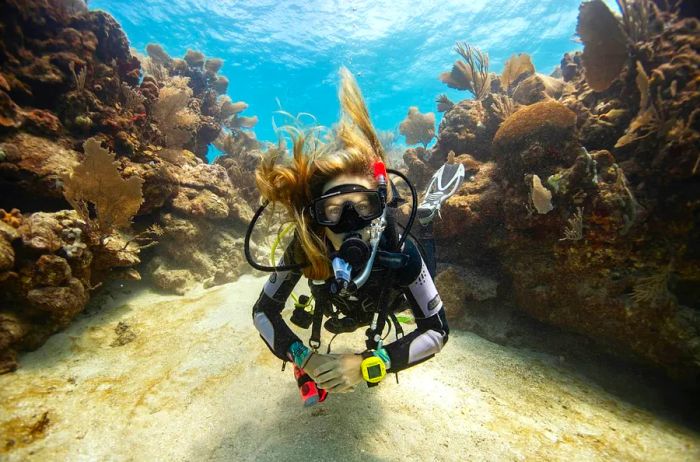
x: 361, y: 264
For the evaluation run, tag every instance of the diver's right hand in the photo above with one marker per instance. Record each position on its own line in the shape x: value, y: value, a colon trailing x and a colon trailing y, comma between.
x: 314, y: 362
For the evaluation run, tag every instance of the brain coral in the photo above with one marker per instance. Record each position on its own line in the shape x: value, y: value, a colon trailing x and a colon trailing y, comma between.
x: 546, y: 121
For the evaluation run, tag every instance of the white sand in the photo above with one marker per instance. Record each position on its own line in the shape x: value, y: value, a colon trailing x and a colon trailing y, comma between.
x: 197, y: 383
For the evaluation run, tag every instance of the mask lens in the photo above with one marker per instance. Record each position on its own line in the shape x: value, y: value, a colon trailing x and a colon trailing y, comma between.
x: 368, y: 206
x: 329, y: 210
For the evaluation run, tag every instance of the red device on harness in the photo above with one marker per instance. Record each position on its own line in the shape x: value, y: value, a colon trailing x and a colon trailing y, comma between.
x: 310, y: 393
x: 380, y: 172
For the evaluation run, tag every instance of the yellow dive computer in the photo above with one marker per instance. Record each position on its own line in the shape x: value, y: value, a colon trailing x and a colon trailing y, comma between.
x: 373, y: 368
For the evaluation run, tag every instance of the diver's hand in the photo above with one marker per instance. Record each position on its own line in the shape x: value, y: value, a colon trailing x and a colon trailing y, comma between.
x: 340, y: 375
x: 314, y: 362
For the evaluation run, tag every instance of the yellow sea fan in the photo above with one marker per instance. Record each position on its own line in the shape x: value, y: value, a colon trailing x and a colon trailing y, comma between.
x: 97, y: 184
x: 514, y: 68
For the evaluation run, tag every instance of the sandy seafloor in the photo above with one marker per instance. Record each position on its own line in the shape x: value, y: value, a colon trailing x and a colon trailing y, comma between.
x: 197, y: 383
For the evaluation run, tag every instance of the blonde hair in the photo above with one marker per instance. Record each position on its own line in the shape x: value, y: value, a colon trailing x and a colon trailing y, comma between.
x: 294, y: 184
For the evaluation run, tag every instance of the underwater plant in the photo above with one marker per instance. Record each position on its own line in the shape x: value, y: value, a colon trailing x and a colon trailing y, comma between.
x: 610, y: 41
x: 132, y: 99
x: 503, y: 106
x: 444, y: 103
x: 647, y: 120
x: 156, y: 64
x: 574, y: 228
x: 604, y: 44
x: 392, y: 149
x: 79, y: 78
x: 97, y: 191
x: 418, y: 127
x: 516, y: 66
x: 472, y: 74
x: 639, y: 19
x: 175, y: 119
x: 652, y: 288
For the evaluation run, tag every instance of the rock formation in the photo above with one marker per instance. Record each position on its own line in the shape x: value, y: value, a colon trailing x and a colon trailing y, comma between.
x: 68, y: 75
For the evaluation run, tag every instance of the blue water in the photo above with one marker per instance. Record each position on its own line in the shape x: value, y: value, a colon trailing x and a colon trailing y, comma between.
x: 288, y: 52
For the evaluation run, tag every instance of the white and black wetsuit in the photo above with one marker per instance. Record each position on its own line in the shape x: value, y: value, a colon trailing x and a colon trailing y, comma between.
x: 412, y: 281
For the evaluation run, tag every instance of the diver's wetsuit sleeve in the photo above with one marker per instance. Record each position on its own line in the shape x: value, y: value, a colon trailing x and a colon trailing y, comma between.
x: 267, y: 311
x: 431, y: 324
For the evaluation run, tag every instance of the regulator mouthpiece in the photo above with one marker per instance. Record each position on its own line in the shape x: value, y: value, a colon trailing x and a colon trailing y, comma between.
x: 342, y: 271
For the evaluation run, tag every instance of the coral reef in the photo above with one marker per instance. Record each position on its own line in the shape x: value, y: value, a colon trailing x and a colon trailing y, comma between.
x: 581, y: 204
x: 583, y: 197
x: 457, y: 284
x: 419, y: 166
x: 544, y: 129
x: 200, y: 224
x: 464, y: 130
x: 189, y: 106
x: 46, y: 273
x: 538, y: 87
x: 198, y: 249
x: 90, y: 125
x: 469, y: 125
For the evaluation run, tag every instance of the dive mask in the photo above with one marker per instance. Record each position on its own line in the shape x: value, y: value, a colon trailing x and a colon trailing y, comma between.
x: 346, y: 208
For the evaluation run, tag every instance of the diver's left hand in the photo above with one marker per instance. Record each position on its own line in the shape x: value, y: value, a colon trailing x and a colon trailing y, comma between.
x: 341, y: 375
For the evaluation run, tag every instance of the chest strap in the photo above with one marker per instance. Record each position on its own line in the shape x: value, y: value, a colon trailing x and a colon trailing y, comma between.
x: 319, y: 290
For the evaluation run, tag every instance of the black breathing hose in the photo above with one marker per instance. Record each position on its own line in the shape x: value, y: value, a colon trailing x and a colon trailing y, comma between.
x: 421, y: 249
x: 246, y: 247
x: 251, y: 226
x: 414, y: 207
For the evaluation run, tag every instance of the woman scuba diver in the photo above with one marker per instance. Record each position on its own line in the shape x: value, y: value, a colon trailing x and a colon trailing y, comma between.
x: 359, y: 264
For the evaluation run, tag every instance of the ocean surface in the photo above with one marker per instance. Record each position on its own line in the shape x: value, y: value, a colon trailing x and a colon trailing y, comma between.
x: 286, y: 54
